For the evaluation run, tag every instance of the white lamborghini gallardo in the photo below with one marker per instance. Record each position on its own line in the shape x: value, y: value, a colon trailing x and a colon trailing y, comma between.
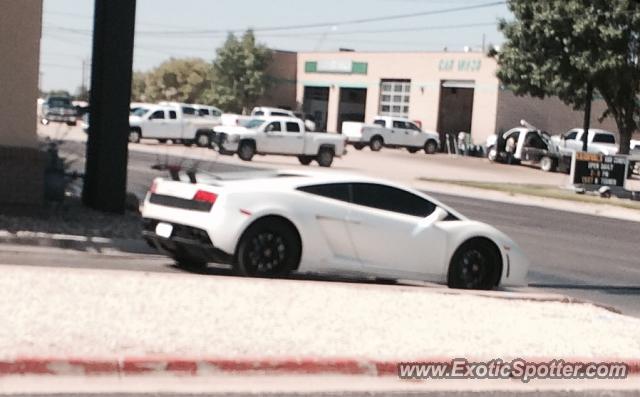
x: 272, y: 224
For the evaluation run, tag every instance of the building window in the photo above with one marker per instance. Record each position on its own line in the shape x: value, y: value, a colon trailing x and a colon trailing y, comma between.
x: 394, y: 98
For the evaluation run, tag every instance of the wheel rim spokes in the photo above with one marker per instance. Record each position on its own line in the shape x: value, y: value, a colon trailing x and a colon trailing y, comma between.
x: 267, y: 252
x: 472, y: 270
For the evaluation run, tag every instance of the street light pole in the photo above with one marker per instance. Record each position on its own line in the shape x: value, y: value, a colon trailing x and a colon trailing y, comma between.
x: 111, y: 71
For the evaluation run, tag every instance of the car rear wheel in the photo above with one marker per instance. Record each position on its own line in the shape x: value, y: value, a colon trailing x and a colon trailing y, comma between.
x: 203, y: 140
x: 246, y: 151
x: 359, y: 146
x: 188, y: 263
x: 376, y: 143
x: 412, y: 150
x: 547, y: 164
x: 430, y: 147
x: 134, y: 136
x: 325, y: 157
x: 269, y: 248
x: 492, y: 154
x: 162, y: 141
x: 305, y: 160
x: 475, y: 265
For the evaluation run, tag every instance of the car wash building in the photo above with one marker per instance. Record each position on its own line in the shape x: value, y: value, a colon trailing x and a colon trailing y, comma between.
x: 447, y: 92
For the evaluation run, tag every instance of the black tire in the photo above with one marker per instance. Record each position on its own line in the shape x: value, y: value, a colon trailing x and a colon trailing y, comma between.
x: 246, y: 150
x: 72, y: 123
x: 162, y: 140
x: 134, y: 136
x: 359, y: 146
x: 431, y: 147
x: 547, y: 164
x: 305, y: 160
x: 187, y: 142
x: 325, y: 157
x: 376, y: 143
x: 186, y: 262
x: 270, y: 247
x: 412, y: 150
x: 475, y: 265
x: 203, y: 139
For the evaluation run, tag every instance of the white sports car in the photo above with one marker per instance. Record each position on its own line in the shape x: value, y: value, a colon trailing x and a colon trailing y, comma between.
x: 272, y: 224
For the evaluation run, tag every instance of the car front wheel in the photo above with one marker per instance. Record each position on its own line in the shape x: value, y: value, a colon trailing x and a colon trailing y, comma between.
x: 269, y: 248
x: 430, y: 147
x: 134, y: 136
x: 305, y: 160
x: 547, y: 164
x: 376, y: 144
x: 246, y: 151
x: 475, y: 265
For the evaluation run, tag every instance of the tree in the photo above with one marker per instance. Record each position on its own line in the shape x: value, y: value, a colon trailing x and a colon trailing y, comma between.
x: 138, y: 86
x: 239, y: 76
x: 560, y: 47
x: 180, y: 80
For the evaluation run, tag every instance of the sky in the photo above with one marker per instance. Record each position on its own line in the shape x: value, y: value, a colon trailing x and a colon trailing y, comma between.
x: 170, y: 28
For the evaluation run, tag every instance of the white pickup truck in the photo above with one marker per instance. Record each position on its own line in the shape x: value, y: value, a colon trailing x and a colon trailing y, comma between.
x: 163, y: 122
x: 600, y: 141
x: 279, y: 135
x: 390, y: 132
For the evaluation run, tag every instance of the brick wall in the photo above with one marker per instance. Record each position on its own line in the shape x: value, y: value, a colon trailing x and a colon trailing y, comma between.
x: 550, y: 114
x: 21, y: 176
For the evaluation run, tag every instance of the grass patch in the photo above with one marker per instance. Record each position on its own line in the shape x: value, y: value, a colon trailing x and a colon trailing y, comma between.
x: 540, y: 191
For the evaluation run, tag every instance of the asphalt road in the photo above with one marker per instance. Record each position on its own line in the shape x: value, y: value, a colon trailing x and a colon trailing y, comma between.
x: 583, y: 256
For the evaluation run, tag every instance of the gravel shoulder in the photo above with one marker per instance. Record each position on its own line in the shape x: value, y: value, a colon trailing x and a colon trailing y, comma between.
x: 99, y: 313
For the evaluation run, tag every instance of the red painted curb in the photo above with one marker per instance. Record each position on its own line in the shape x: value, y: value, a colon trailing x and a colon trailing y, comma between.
x: 193, y: 367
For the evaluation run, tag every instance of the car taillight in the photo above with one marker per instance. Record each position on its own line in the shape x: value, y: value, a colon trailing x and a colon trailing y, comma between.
x: 153, y: 187
x: 205, y: 197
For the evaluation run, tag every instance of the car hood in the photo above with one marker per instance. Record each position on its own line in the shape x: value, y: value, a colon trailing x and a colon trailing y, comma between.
x: 232, y: 130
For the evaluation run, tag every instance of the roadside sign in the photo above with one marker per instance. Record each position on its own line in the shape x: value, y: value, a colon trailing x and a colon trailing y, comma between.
x: 595, y: 170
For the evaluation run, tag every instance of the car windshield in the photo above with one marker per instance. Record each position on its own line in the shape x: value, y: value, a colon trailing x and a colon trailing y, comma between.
x: 60, y: 103
x: 254, y: 123
x: 140, y: 112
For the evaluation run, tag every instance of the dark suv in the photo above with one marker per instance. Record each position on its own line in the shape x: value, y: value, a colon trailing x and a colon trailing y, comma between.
x: 58, y: 109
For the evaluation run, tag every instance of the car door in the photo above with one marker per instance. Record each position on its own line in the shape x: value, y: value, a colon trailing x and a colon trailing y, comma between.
x: 395, y: 232
x: 572, y: 140
x: 272, y: 139
x: 293, y: 138
x: 414, y: 135
x: 326, y: 211
x: 395, y: 135
x: 157, y: 125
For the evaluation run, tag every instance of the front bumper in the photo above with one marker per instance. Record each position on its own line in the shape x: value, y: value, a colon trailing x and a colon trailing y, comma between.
x: 185, y: 241
x: 223, y: 142
x: 60, y: 118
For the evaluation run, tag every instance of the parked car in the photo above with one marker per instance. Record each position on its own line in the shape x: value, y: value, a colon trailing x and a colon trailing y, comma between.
x: 58, y: 109
x: 599, y: 141
x: 393, y: 132
x: 283, y: 222
x: 265, y: 111
x: 232, y: 119
x: 527, y: 143
x: 168, y: 122
x: 279, y: 135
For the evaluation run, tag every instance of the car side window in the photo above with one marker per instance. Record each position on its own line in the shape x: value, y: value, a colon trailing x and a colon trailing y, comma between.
x: 391, y: 199
x: 280, y: 114
x: 258, y: 113
x: 189, y: 110
x: 157, y: 115
x: 173, y: 115
x: 604, y: 138
x: 571, y: 136
x: 380, y: 123
x: 273, y: 126
x: 414, y: 127
x: 399, y: 124
x: 293, y: 127
x: 337, y: 191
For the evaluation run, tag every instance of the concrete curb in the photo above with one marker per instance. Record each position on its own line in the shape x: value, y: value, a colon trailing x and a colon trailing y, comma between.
x: 203, y: 367
x: 73, y: 242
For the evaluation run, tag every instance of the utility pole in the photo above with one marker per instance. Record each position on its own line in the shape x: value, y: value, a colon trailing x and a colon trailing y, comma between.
x: 111, y: 71
x: 587, y: 116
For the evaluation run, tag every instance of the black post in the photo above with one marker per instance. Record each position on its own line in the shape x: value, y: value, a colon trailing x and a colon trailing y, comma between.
x: 587, y: 117
x: 105, y: 182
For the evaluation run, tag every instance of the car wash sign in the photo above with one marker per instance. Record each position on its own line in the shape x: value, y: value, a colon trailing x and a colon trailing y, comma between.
x: 593, y: 169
